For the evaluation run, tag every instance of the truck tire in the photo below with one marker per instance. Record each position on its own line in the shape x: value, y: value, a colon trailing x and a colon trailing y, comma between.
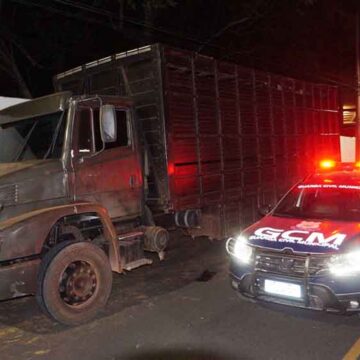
x: 74, y: 282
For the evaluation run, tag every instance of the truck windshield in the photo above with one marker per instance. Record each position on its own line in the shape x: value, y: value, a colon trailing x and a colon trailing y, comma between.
x: 335, y: 202
x: 39, y: 137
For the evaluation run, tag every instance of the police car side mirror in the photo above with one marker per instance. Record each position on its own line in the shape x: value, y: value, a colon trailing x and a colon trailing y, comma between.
x: 264, y: 210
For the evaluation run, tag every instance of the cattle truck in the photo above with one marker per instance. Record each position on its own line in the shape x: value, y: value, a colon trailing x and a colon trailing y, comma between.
x: 148, y: 137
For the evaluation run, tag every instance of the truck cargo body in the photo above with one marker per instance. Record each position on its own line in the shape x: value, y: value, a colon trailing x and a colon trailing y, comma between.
x: 217, y: 137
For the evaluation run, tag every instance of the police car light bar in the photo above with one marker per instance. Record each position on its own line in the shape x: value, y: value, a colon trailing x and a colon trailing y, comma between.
x: 329, y: 164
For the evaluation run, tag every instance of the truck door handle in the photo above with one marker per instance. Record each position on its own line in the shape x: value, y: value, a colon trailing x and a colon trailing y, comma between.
x: 132, y: 181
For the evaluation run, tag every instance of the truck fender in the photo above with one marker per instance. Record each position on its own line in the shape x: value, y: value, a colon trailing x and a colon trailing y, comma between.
x: 24, y: 235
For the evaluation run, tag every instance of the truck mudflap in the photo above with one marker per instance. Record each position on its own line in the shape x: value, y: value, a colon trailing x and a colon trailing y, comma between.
x: 18, y: 279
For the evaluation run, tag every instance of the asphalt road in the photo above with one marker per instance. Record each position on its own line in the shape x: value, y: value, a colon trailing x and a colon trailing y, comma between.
x: 166, y: 312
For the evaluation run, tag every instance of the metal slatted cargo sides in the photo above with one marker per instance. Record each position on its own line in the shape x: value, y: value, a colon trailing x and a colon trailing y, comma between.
x: 219, y: 136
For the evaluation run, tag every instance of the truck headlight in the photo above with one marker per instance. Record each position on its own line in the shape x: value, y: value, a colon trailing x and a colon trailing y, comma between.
x: 239, y: 248
x: 345, y: 264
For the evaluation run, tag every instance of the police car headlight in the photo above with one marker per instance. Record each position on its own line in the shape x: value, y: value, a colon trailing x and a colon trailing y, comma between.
x: 238, y: 248
x: 345, y: 264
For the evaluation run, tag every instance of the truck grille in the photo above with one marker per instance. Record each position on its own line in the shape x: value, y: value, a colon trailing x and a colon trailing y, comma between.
x: 291, y: 265
x: 9, y: 194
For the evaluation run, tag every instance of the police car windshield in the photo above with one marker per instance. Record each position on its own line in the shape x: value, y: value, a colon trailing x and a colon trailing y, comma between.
x: 321, y: 201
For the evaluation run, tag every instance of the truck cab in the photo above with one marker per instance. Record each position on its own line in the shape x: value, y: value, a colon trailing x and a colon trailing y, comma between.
x: 71, y: 202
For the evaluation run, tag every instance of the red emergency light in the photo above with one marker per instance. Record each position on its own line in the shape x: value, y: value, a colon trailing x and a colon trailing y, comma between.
x: 327, y: 164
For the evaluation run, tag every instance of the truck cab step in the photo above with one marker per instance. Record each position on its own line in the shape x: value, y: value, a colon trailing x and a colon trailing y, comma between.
x: 137, y: 263
x: 131, y: 248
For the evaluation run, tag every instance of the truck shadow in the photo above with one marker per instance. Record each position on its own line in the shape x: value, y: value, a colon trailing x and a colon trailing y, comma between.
x: 181, y: 354
x: 187, y: 260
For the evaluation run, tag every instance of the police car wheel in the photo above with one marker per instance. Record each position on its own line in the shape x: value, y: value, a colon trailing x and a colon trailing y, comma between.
x: 240, y: 295
x: 243, y: 297
x: 74, y: 282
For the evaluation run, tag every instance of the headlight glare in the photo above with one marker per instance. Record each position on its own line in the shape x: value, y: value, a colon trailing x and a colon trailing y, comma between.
x: 345, y: 264
x: 240, y: 249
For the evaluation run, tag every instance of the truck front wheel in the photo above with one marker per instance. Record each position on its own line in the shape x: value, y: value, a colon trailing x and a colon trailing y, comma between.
x: 74, y: 282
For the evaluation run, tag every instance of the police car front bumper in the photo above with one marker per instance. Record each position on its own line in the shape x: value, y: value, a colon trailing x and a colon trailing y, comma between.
x: 323, y: 293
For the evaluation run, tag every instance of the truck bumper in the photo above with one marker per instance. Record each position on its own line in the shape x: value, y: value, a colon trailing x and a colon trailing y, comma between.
x: 18, y: 279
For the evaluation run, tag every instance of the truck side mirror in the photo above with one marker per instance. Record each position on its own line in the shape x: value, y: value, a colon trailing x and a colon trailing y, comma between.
x: 264, y: 210
x: 108, y: 128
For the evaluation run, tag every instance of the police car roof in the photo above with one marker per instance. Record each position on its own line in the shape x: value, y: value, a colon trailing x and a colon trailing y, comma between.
x: 348, y: 176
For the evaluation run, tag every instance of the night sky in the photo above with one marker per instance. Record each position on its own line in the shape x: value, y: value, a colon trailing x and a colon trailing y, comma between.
x: 307, y: 39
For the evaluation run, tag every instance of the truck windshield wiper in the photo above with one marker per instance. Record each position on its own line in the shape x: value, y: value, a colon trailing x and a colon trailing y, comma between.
x: 25, y: 142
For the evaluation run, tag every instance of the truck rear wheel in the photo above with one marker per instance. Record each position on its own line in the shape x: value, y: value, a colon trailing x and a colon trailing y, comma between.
x: 74, y: 282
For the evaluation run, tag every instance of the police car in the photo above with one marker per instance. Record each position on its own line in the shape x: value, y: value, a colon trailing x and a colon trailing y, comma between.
x: 306, y: 251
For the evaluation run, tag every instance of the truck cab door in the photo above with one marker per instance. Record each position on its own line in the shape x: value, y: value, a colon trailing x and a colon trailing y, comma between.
x: 107, y: 173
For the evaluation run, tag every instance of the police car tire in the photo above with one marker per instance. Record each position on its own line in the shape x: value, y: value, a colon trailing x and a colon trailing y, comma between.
x: 245, y: 298
x: 51, y: 269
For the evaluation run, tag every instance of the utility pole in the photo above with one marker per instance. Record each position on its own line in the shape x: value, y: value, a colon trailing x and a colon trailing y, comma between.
x: 357, y: 44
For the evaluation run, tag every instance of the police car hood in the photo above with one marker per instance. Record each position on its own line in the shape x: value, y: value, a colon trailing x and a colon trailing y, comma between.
x: 304, y: 236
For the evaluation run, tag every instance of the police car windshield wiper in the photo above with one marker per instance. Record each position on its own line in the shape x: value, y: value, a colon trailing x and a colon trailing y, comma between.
x: 284, y: 215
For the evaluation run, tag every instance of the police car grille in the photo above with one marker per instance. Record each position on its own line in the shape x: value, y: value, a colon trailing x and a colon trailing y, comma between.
x: 286, y: 264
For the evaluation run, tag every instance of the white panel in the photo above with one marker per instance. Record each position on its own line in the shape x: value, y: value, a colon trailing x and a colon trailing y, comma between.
x: 347, y: 148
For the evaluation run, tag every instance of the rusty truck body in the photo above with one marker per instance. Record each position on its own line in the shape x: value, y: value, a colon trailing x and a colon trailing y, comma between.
x: 152, y: 136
